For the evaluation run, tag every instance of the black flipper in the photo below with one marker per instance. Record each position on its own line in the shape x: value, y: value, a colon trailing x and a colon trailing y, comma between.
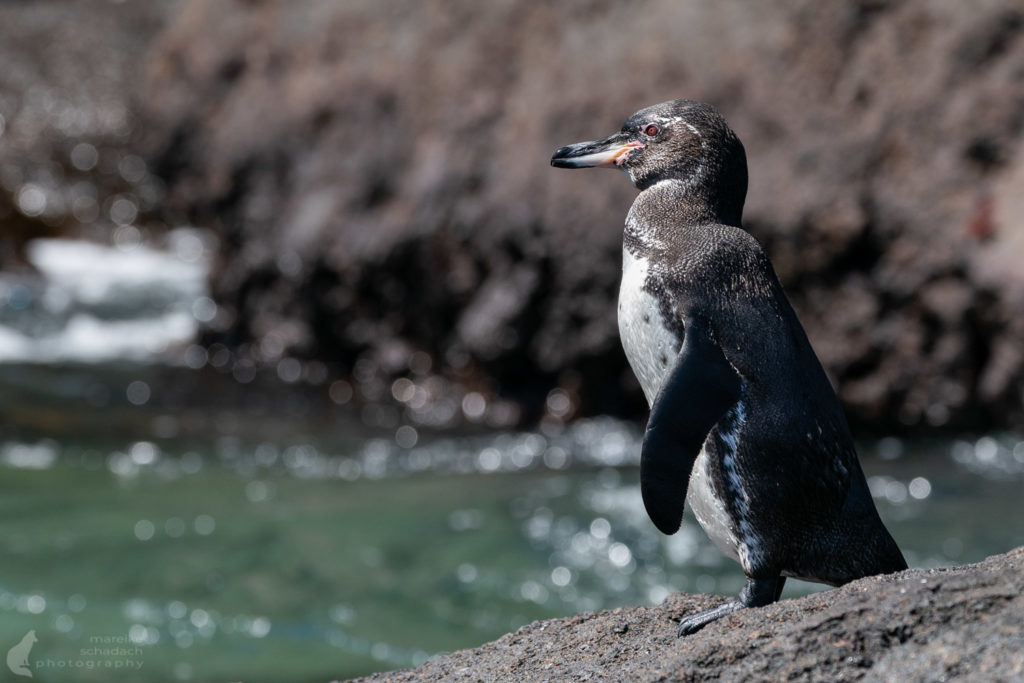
x: 699, y: 388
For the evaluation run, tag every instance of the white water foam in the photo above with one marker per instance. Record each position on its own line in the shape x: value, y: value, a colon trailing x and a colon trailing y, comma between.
x: 97, y: 303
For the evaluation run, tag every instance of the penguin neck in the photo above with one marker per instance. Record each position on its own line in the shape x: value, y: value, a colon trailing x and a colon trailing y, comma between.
x: 671, y: 205
x: 699, y: 202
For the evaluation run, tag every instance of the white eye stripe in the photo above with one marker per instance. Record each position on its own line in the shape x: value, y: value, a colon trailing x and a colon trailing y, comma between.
x: 675, y: 119
x: 679, y: 119
x: 699, y: 171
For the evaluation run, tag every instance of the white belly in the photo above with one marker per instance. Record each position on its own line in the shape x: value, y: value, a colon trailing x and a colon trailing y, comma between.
x: 737, y: 537
x: 646, y: 340
x: 709, y: 510
x: 644, y: 336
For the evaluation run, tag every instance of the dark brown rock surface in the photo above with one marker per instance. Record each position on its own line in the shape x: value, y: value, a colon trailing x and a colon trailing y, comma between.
x: 957, y: 623
x: 69, y: 83
x: 378, y: 172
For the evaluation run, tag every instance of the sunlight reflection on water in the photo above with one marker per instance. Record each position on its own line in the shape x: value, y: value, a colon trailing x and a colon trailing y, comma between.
x: 600, y: 546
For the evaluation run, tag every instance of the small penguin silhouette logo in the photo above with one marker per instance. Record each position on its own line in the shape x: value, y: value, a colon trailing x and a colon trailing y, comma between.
x: 17, y: 656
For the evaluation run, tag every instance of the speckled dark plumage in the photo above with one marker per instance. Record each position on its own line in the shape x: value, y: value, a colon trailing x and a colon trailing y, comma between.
x: 744, y: 403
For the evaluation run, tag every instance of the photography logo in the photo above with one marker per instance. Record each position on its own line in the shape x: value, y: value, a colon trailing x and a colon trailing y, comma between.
x: 17, y: 656
x: 111, y: 652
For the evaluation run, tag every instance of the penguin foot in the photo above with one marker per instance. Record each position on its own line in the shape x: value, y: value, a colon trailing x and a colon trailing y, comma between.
x: 696, y: 622
x: 757, y: 593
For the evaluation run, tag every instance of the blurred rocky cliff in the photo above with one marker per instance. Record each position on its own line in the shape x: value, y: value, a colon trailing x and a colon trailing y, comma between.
x: 68, y: 87
x: 378, y: 174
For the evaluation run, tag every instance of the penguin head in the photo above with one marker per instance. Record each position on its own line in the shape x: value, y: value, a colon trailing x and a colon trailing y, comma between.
x: 679, y: 140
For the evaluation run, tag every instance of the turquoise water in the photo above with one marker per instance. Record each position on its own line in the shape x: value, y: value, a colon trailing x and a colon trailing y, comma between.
x: 256, y: 531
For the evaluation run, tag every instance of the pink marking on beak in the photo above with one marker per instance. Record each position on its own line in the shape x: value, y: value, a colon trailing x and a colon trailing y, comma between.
x: 623, y: 154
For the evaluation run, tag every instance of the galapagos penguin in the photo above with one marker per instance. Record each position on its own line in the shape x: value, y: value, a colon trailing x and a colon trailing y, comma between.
x: 744, y: 423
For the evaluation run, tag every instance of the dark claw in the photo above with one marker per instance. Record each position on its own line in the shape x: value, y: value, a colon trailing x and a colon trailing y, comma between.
x: 695, y: 622
x: 757, y: 593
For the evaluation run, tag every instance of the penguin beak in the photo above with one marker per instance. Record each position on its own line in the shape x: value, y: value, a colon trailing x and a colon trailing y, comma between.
x: 612, y: 151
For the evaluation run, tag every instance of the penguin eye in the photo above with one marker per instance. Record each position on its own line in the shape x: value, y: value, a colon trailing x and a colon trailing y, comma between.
x: 651, y: 130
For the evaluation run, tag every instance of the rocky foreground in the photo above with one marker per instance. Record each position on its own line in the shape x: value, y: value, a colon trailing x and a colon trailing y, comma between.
x: 955, y: 623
